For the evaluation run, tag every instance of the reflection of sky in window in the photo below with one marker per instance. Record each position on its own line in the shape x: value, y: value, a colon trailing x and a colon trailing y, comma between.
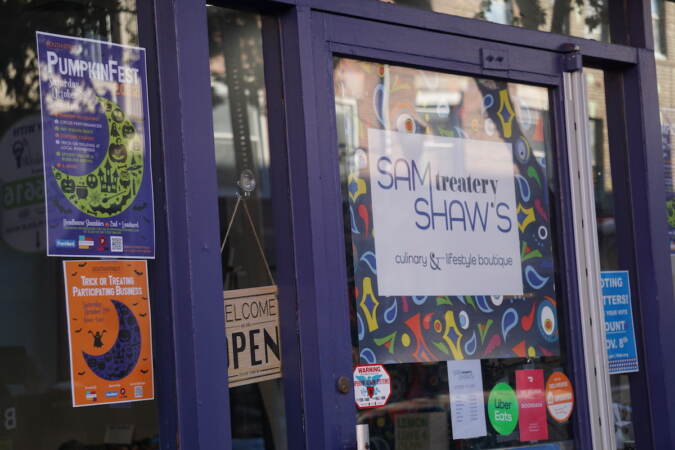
x: 499, y: 11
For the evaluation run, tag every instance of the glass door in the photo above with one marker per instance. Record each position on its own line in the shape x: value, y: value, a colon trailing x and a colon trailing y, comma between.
x: 448, y: 185
x: 459, y: 270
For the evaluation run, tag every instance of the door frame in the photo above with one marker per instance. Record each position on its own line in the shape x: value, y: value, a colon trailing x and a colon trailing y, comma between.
x: 201, y: 413
x: 358, y: 38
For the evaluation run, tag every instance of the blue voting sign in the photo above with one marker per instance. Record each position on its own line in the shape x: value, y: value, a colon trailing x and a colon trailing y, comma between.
x: 619, y: 330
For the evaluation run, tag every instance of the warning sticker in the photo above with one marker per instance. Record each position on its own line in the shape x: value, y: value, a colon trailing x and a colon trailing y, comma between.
x: 372, y: 386
x: 559, y: 396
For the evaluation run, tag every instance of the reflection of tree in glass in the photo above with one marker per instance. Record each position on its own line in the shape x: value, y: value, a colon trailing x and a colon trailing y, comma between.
x: 533, y: 15
x: 240, y: 35
x: 108, y: 20
x: 545, y: 15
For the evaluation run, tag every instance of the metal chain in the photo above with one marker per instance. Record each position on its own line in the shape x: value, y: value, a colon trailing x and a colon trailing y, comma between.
x: 240, y: 199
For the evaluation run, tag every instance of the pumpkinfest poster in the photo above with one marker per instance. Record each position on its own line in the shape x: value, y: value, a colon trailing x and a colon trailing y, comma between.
x: 109, y: 331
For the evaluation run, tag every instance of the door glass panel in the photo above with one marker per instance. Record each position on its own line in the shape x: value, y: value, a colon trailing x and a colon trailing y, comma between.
x: 449, y: 205
x: 241, y: 145
x: 663, y: 27
x: 607, y: 247
x: 35, y: 387
x: 582, y: 18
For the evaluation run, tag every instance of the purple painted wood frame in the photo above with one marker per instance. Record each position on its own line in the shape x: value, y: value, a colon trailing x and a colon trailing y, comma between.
x: 159, y: 268
x: 194, y: 398
x: 191, y: 239
x: 638, y: 174
x: 327, y: 300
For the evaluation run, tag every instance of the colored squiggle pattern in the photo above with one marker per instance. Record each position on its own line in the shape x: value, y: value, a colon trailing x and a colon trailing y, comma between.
x: 416, y: 329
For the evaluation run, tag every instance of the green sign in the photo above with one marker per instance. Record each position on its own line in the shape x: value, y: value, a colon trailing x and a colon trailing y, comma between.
x: 503, y: 408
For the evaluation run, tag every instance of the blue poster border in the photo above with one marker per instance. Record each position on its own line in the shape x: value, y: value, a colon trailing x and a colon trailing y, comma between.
x: 147, y: 151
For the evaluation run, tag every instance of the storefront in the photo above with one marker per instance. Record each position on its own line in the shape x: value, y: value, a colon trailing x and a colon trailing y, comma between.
x: 416, y: 212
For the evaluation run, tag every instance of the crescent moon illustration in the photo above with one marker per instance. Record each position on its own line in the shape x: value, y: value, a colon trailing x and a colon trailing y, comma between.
x: 120, y: 360
x: 111, y: 187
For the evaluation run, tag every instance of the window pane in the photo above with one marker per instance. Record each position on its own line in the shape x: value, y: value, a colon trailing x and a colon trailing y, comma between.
x: 242, y: 146
x: 604, y: 213
x: 665, y: 71
x: 35, y: 394
x: 585, y: 18
x: 394, y: 121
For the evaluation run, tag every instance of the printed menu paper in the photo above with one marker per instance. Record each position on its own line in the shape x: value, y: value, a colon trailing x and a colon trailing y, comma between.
x: 467, y: 411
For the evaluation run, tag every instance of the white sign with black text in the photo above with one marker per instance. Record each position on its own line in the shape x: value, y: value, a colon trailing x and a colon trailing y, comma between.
x: 467, y: 410
x: 444, y: 215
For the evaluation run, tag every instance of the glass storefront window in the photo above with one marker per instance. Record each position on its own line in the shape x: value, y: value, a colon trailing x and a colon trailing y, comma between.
x: 663, y: 14
x: 607, y: 247
x: 581, y: 18
x: 437, y: 140
x: 35, y: 393
x: 242, y: 147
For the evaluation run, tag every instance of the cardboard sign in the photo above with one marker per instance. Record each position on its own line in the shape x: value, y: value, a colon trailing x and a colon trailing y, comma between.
x: 372, y: 386
x: 532, y: 405
x: 252, y: 330
x: 416, y: 431
x: 559, y: 397
x: 619, y: 330
x: 96, y: 148
x: 445, y: 213
x: 467, y: 412
x: 109, y: 331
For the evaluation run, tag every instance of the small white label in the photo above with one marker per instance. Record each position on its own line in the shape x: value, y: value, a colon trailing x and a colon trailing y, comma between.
x: 116, y: 244
x: 362, y: 437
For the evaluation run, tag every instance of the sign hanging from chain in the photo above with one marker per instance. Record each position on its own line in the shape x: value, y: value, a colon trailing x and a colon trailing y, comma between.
x: 251, y: 315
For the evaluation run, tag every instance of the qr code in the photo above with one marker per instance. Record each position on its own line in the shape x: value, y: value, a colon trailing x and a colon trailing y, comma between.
x: 116, y: 244
x: 138, y: 391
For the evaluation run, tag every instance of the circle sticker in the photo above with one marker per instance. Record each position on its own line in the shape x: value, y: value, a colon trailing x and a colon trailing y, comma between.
x: 372, y: 386
x: 559, y: 397
x: 22, y: 204
x: 503, y: 408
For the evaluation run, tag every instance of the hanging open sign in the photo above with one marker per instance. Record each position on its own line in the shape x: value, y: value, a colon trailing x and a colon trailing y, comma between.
x: 252, y: 329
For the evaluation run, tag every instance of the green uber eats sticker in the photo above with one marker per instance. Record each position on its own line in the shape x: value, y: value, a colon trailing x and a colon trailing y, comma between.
x: 503, y: 408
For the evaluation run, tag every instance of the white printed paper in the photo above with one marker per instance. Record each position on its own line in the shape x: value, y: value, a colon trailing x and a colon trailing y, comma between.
x: 467, y: 411
x: 444, y: 215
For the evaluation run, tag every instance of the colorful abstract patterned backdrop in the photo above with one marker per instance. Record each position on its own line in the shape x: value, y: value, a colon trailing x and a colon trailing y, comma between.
x: 425, y: 328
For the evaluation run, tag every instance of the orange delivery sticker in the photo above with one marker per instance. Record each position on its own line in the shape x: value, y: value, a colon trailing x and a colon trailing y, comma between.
x: 559, y: 397
x: 109, y: 331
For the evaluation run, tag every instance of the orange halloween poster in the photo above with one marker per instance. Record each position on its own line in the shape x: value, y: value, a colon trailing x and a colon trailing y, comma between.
x: 109, y: 331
